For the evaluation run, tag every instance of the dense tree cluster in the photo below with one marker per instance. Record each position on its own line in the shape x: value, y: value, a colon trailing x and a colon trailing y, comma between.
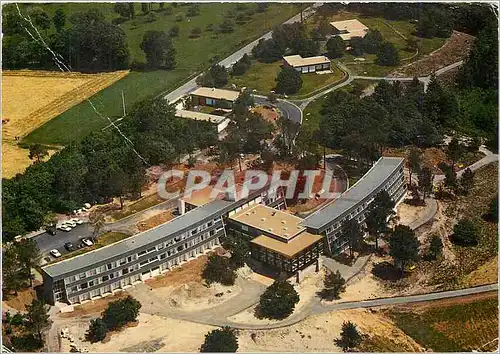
x: 219, y: 269
x: 242, y: 65
x: 159, y: 50
x: 104, y: 165
x: 288, y: 81
x: 217, y: 76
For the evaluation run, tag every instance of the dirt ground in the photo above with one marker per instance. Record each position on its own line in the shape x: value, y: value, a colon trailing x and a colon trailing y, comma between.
x: 31, y: 98
x: 455, y: 49
x: 19, y: 302
x: 485, y: 274
x: 408, y: 213
x: 155, y: 221
x: 268, y: 114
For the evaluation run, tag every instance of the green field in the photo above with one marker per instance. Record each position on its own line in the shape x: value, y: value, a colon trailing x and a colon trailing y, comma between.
x: 262, y: 77
x: 193, y: 56
x: 452, y: 328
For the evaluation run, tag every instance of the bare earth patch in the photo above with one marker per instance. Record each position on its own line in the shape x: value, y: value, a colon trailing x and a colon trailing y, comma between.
x: 455, y: 49
x: 155, y: 221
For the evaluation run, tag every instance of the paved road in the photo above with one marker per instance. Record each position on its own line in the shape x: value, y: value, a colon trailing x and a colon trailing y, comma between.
x: 191, y: 84
x: 288, y: 109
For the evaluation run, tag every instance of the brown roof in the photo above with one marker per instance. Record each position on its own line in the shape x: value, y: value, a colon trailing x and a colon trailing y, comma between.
x: 272, y: 221
x: 215, y: 93
x: 287, y: 249
x: 297, y: 60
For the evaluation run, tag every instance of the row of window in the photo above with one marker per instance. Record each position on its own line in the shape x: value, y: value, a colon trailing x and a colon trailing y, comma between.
x: 129, y: 259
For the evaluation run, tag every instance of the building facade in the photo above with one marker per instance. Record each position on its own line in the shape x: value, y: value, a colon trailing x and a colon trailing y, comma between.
x: 386, y: 174
x: 277, y: 239
x: 307, y: 65
x: 214, y: 97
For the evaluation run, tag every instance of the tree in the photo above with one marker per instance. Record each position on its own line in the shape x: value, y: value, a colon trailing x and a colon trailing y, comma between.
x: 278, y: 301
x: 334, y: 284
x: 351, y: 231
x: 262, y: 7
x: 372, y: 41
x: 239, y: 250
x: 404, y: 245
x: 413, y: 162
x: 97, y: 331
x: 37, y: 152
x: 425, y: 181
x: 40, y: 18
x: 435, y: 248
x: 454, y: 151
x: 387, y: 55
x: 381, y: 209
x: 120, y: 312
x: 174, y: 31
x: 219, y: 270
x: 288, y: 81
x: 222, y: 340
x: 217, y: 76
x: 193, y: 10
x: 268, y: 51
x: 144, y: 7
x: 242, y: 65
x: 335, y: 47
x: 160, y: 53
x: 38, y: 319
x: 11, y: 269
x: 151, y: 17
x: 467, y: 180
x: 122, y: 9
x: 97, y: 220
x: 226, y: 26
x: 59, y: 20
x: 349, y: 337
x: 465, y: 233
x: 28, y: 256
x: 131, y: 9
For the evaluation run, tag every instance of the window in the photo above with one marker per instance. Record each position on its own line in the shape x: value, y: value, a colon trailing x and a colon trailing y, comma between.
x: 129, y: 259
x: 83, y: 286
x: 163, y: 256
x: 152, y: 249
x: 124, y: 271
x: 91, y: 283
x: 142, y: 253
x: 109, y: 266
x: 143, y: 263
x: 82, y: 276
x: 194, y: 232
x: 177, y: 239
x: 112, y: 275
x: 210, y: 223
x: 105, y: 278
x: 123, y: 261
x: 154, y: 259
x: 244, y: 227
x: 160, y: 246
x: 74, y: 289
x: 180, y: 248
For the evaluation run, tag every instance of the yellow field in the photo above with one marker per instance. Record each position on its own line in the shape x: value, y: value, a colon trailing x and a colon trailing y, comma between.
x: 31, y: 98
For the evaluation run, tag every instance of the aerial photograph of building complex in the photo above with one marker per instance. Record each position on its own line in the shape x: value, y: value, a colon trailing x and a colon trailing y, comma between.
x: 249, y: 176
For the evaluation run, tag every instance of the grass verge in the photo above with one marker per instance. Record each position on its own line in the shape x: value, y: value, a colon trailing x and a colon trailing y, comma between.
x: 452, y: 328
x: 140, y: 205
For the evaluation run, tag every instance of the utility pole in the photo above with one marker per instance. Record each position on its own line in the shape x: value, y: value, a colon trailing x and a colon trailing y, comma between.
x: 123, y: 103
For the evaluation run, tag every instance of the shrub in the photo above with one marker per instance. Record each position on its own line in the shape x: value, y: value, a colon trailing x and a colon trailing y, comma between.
x: 195, y: 32
x: 179, y: 18
x: 210, y: 27
x: 120, y: 312
x: 219, y: 270
x: 226, y: 26
x: 174, y: 31
x: 221, y: 340
x: 97, y: 331
x: 151, y: 17
x: 465, y: 233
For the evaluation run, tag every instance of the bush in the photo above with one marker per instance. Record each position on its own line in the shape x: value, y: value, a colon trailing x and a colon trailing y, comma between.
x: 387, y: 55
x: 168, y: 10
x: 194, y: 10
x: 179, y: 18
x: 97, y: 331
x: 210, y: 27
x: 119, y: 20
x: 121, y: 312
x: 174, y: 31
x: 278, y: 301
x: 465, y: 233
x: 221, y: 340
x: 226, y: 26
x: 151, y: 17
x: 334, y: 285
x: 242, y: 65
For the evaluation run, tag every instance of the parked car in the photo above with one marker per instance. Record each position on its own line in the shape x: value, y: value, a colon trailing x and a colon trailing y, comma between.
x: 76, y: 221
x: 64, y: 227
x: 55, y: 253
x: 87, y: 242
x: 69, y: 246
x: 70, y: 223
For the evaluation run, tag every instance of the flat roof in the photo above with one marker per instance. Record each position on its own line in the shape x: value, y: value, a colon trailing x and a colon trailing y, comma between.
x: 216, y: 93
x: 133, y: 243
x: 287, y: 249
x: 200, y: 116
x: 270, y: 220
x: 353, y: 25
x: 373, y: 179
x: 297, y: 60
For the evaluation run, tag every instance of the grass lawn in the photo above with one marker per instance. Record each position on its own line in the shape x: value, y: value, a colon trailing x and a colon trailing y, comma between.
x: 103, y: 240
x: 312, y: 117
x: 262, y: 77
x: 193, y: 56
x: 140, y: 205
x: 452, y: 327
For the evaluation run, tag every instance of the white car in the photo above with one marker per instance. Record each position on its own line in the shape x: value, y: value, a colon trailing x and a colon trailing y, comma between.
x: 55, y: 253
x: 76, y: 221
x: 87, y: 242
x: 70, y: 223
x: 64, y: 227
x: 87, y: 205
